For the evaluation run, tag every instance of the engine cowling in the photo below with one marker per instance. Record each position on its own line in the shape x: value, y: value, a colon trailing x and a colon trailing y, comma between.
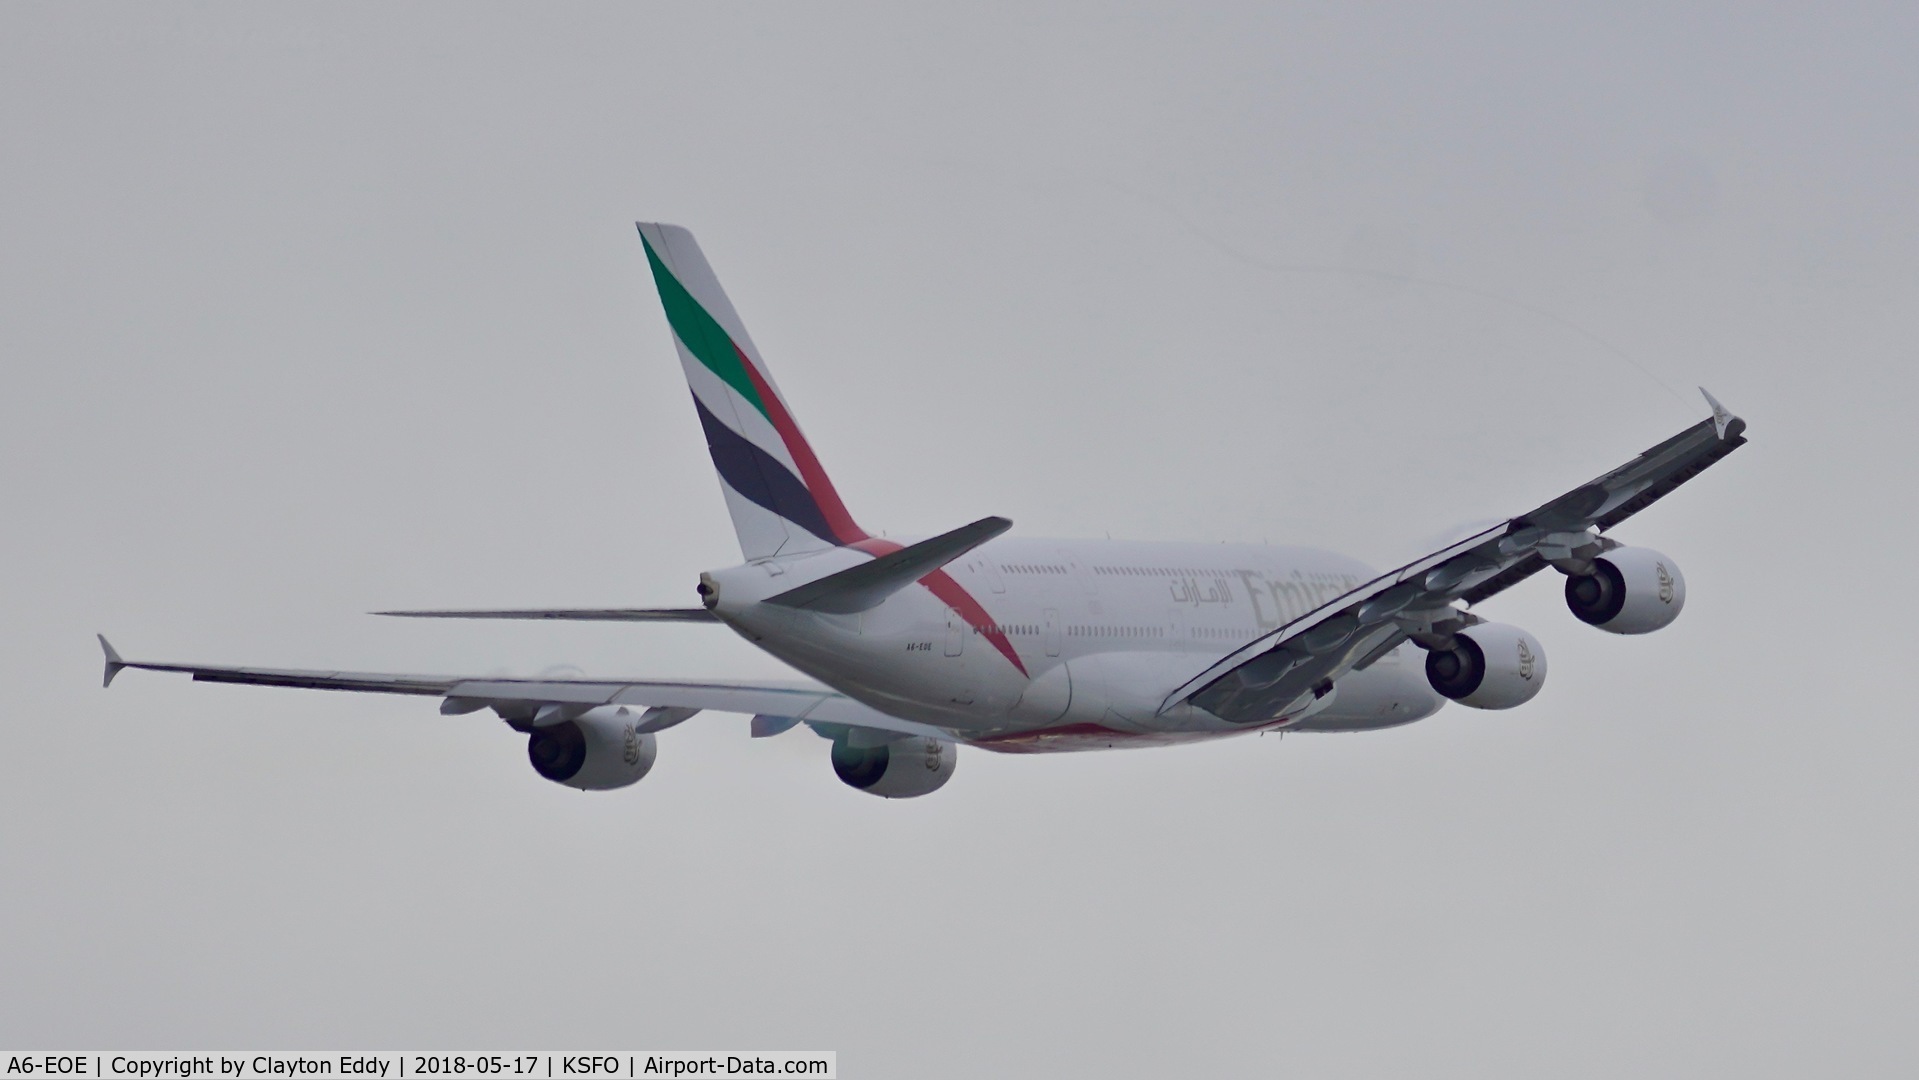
x: 902, y: 769
x: 1631, y: 590
x: 599, y: 750
x: 1489, y: 666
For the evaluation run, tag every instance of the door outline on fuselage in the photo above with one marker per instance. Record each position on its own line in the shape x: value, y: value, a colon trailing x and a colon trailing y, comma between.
x: 955, y: 633
x: 1052, y: 632
x: 1081, y: 573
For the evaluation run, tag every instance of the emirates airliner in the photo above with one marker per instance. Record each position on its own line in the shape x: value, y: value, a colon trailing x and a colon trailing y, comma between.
x: 1021, y: 645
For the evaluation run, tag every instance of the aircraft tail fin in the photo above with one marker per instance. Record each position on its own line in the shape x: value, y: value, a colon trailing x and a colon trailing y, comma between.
x: 780, y: 498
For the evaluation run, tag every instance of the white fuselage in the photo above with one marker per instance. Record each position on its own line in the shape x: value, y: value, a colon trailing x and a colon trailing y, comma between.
x: 1072, y: 644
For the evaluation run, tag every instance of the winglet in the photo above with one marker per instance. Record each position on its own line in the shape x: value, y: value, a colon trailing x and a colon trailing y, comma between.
x: 1722, y: 418
x: 114, y: 663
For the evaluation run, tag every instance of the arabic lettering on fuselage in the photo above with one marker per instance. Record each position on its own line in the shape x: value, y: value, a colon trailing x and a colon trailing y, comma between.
x: 1275, y: 601
x: 1187, y: 590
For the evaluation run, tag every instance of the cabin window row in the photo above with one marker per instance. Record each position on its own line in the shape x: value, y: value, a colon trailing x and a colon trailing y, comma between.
x: 1155, y: 571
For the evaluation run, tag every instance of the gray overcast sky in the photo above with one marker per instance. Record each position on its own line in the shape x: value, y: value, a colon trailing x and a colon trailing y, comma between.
x: 309, y: 311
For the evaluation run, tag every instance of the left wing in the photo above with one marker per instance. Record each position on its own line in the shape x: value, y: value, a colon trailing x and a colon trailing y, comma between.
x: 1281, y: 674
x: 697, y: 614
x: 528, y: 700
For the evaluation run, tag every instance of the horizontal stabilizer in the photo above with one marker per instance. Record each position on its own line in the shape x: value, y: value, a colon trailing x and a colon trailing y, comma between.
x: 579, y: 614
x: 866, y: 586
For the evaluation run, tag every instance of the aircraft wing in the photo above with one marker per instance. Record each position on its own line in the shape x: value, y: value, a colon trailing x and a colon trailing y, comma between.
x: 524, y: 699
x: 1282, y: 673
x: 698, y: 614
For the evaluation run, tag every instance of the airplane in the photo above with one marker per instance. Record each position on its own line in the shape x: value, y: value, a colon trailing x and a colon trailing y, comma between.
x: 1021, y: 645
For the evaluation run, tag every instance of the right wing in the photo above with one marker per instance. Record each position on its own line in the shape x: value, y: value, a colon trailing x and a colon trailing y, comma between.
x: 523, y: 700
x: 1280, y: 674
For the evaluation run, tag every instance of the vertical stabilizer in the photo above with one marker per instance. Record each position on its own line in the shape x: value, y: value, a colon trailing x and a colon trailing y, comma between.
x: 781, y: 499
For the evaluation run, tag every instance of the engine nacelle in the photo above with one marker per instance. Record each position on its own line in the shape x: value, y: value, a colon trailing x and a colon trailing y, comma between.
x: 1490, y: 666
x: 1632, y: 590
x: 599, y: 750
x: 902, y: 769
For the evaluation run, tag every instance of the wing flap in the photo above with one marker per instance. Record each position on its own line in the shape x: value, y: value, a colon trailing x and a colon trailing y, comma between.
x: 573, y: 614
x: 368, y: 682
x: 1505, y: 579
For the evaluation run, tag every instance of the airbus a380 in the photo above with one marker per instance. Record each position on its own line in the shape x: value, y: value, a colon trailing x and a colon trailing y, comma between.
x: 977, y: 638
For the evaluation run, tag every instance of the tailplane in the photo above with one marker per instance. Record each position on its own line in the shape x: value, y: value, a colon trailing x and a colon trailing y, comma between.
x: 781, y: 499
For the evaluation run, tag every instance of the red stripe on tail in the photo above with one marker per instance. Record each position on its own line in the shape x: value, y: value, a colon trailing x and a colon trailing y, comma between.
x: 845, y: 530
x: 848, y: 532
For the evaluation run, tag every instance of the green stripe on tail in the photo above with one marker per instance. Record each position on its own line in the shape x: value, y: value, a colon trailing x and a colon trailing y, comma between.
x: 705, y: 338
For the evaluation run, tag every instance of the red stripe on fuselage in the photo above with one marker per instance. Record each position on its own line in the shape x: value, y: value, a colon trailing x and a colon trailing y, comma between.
x: 1066, y: 737
x: 942, y: 585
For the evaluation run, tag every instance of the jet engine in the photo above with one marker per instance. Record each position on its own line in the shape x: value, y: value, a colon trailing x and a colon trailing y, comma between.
x: 1631, y: 590
x: 1488, y: 666
x: 902, y: 769
x: 599, y: 750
